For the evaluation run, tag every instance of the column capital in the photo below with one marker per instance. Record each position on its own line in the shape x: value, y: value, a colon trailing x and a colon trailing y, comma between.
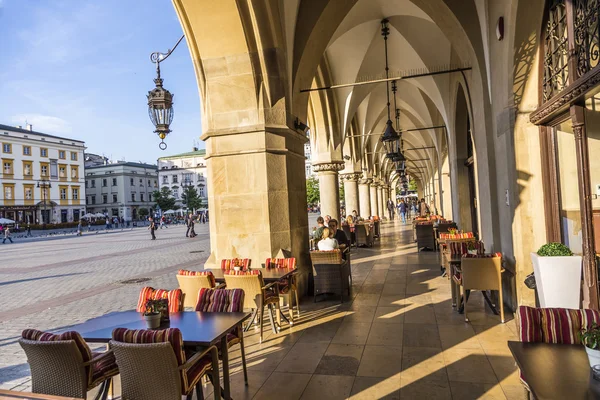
x: 365, y: 181
x: 354, y: 176
x: 333, y: 166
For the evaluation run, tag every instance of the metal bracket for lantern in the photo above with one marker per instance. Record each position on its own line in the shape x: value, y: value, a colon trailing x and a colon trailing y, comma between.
x: 160, y: 100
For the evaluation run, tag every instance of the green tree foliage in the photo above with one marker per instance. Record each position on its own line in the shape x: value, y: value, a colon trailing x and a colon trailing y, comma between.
x: 342, y: 191
x: 164, y: 199
x: 313, y: 195
x: 412, y: 185
x: 190, y: 198
x: 143, y: 213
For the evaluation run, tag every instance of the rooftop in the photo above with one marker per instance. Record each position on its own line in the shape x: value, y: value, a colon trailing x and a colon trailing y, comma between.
x: 28, y: 132
x: 199, y: 152
x: 124, y: 164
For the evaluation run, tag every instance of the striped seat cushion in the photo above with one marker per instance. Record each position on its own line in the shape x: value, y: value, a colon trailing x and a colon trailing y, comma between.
x: 103, y: 369
x: 227, y: 264
x: 220, y: 300
x: 189, y: 377
x: 209, y: 274
x: 173, y: 296
x: 233, y: 272
x: 447, y: 236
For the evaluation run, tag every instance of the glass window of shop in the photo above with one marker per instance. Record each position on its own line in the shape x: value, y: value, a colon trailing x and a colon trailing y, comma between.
x: 592, y: 124
x: 570, y: 209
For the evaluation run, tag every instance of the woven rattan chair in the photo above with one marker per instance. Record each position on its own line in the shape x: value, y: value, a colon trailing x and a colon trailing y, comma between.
x: 225, y: 300
x: 64, y: 365
x: 190, y: 283
x: 481, y: 272
x: 288, y: 287
x: 425, y: 237
x: 331, y: 273
x: 377, y: 228
x: 174, y: 298
x: 154, y: 366
x: 257, y: 296
x: 363, y: 238
x: 348, y: 233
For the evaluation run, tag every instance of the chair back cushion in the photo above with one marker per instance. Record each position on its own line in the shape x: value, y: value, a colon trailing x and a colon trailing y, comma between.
x: 326, y: 257
x: 280, y: 263
x: 227, y: 264
x: 173, y: 296
x: 553, y: 325
x: 208, y: 274
x: 190, y: 284
x: 220, y: 300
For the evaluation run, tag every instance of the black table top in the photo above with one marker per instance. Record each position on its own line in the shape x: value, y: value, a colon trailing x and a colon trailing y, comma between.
x: 269, y: 275
x: 555, y: 371
x: 197, y: 328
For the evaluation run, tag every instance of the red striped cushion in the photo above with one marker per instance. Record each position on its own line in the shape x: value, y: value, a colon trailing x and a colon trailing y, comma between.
x: 280, y: 263
x: 173, y: 296
x: 40, y: 336
x: 220, y: 300
x: 554, y: 325
x: 210, y: 275
x: 227, y: 264
x: 233, y: 272
x: 103, y: 369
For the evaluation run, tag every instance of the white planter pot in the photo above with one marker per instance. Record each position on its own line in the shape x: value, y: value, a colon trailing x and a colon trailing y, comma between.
x: 152, y: 321
x: 558, y: 280
x: 593, y: 356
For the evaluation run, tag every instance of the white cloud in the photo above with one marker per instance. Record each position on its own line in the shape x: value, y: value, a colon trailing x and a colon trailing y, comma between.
x: 42, y: 123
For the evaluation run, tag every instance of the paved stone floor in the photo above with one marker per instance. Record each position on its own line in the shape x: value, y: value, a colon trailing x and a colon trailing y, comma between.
x: 398, y: 337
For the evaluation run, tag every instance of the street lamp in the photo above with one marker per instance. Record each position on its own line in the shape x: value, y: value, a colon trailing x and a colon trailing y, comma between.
x: 390, y: 138
x: 44, y: 185
x: 160, y: 100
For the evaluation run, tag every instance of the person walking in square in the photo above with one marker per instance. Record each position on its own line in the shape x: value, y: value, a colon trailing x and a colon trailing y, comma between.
x: 188, y: 223
x: 152, y: 228
x: 191, y: 227
x: 7, y: 235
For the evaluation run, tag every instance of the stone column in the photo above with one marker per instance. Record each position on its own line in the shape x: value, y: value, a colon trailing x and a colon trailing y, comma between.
x: 351, y: 192
x: 364, y: 196
x: 374, y: 199
x: 257, y: 195
x: 382, y: 211
x: 329, y: 187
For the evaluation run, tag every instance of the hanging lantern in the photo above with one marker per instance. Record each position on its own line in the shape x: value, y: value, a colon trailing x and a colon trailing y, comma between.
x: 391, y: 141
x: 160, y: 109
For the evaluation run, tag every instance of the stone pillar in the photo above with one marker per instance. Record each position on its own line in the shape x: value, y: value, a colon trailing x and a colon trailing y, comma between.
x: 351, y: 192
x: 364, y: 198
x: 382, y: 212
x: 374, y: 199
x: 257, y: 195
x: 329, y: 189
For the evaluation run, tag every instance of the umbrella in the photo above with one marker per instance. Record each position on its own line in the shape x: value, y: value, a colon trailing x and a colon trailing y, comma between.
x: 5, y: 221
x: 100, y: 215
x: 89, y: 215
x: 169, y: 212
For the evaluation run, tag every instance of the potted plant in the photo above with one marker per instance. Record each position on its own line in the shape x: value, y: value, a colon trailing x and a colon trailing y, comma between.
x: 590, y: 338
x: 237, y: 264
x: 152, y: 315
x: 471, y: 248
x: 557, y: 276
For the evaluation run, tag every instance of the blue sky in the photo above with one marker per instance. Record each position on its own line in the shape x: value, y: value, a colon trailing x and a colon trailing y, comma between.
x: 81, y: 68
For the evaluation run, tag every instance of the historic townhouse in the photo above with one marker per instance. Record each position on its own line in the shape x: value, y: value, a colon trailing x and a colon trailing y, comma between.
x: 180, y: 170
x: 42, y: 176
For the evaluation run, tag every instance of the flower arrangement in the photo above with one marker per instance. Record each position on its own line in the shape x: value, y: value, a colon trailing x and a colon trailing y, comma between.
x: 591, y: 337
x: 237, y: 264
x: 453, y: 231
x: 151, y: 307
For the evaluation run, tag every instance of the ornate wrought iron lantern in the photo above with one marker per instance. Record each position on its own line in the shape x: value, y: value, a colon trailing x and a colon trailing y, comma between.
x: 390, y: 138
x: 160, y: 100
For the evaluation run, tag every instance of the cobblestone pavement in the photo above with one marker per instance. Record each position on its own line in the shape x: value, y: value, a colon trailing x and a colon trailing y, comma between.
x: 53, y: 283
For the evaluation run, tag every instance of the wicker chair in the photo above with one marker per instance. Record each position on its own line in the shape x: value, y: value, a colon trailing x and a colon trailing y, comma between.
x: 257, y: 295
x: 552, y: 325
x: 459, y: 248
x: 348, y: 233
x: 288, y: 288
x: 363, y: 238
x: 190, y: 283
x: 64, y: 365
x: 425, y: 238
x: 331, y: 273
x: 154, y: 366
x: 173, y: 296
x: 481, y: 272
x: 377, y: 228
x: 225, y: 300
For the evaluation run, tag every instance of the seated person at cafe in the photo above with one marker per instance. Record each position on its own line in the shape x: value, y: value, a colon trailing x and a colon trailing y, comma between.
x: 338, y: 234
x: 327, y: 242
x: 318, y: 233
x: 327, y: 219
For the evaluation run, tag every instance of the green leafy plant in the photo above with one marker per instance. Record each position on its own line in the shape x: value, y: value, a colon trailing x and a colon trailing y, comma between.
x: 554, y: 250
x: 471, y: 246
x: 591, y: 337
x: 152, y: 307
x: 313, y: 195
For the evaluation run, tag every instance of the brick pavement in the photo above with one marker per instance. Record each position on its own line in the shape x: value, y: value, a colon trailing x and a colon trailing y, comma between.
x: 57, y: 283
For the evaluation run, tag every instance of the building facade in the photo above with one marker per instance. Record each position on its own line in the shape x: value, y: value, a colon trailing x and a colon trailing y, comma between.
x: 42, y: 177
x: 121, y: 189
x: 181, y: 170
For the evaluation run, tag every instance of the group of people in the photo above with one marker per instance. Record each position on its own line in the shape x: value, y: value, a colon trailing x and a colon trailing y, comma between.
x: 328, y: 236
x: 405, y: 209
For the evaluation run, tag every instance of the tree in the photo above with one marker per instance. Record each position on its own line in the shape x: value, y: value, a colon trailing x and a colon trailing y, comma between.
x: 190, y: 198
x: 342, y: 191
x: 313, y: 195
x: 412, y: 185
x: 143, y: 213
x: 163, y: 199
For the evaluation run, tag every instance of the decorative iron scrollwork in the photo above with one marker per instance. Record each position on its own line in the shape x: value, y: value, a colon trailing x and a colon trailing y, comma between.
x: 586, y: 35
x: 556, y: 55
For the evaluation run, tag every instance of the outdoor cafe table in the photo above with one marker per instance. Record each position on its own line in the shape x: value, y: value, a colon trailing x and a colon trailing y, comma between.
x: 12, y: 395
x: 268, y: 274
x: 197, y: 328
x: 555, y: 371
